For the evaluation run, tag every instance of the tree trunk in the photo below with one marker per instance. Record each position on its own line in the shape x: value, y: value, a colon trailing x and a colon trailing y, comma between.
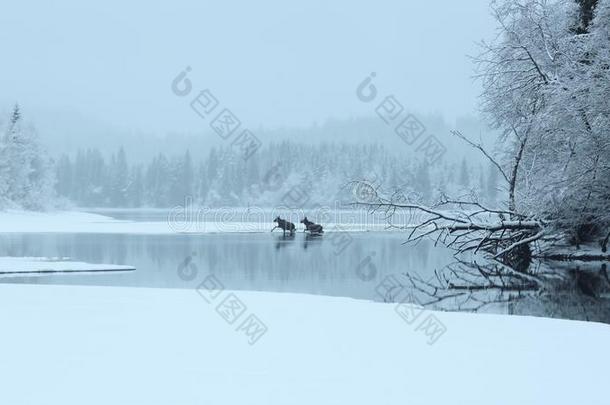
x: 513, y: 178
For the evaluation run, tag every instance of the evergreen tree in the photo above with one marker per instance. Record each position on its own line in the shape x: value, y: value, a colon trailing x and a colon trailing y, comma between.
x: 424, y: 185
x: 26, y: 171
x: 65, y: 180
x: 492, y: 183
x: 118, y: 180
x: 19, y: 152
x: 482, y: 183
x: 202, y: 184
x: 135, y: 190
x: 464, y: 180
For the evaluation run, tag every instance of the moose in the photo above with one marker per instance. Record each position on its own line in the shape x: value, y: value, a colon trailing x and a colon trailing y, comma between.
x: 284, y: 225
x: 312, y: 227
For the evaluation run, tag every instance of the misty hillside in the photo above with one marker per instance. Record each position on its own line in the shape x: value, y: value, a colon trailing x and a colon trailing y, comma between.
x: 64, y: 133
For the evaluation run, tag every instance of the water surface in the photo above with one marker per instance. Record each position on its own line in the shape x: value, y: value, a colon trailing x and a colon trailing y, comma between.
x: 342, y: 264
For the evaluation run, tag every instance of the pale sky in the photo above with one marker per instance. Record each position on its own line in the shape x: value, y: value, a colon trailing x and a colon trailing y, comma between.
x: 273, y: 63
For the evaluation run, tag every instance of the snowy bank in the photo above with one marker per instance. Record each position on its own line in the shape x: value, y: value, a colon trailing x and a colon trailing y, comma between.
x: 14, y: 266
x: 100, y: 345
x: 13, y: 221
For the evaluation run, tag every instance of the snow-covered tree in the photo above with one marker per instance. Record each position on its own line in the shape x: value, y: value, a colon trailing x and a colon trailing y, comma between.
x: 118, y: 183
x: 545, y: 85
x: 26, y: 172
x: 545, y: 81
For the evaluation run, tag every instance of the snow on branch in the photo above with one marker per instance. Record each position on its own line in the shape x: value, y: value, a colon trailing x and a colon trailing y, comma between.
x: 461, y: 224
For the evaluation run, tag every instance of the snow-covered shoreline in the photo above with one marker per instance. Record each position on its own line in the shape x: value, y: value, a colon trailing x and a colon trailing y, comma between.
x: 103, y: 345
x: 13, y: 221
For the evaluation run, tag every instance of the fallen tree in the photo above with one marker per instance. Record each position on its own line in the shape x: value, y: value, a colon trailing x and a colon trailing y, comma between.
x: 467, y: 225
x: 463, y: 225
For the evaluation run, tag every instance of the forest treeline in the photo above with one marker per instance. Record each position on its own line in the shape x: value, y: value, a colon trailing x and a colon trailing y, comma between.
x: 321, y: 172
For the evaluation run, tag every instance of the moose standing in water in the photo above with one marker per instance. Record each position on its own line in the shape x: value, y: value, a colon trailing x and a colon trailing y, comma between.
x: 284, y: 225
x: 313, y: 228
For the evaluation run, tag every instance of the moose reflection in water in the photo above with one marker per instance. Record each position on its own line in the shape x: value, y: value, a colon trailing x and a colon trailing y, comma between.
x: 556, y: 289
x: 285, y: 240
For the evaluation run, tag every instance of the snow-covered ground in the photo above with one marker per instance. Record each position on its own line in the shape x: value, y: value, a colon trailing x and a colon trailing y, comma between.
x: 14, y: 266
x: 99, y: 345
x: 12, y: 221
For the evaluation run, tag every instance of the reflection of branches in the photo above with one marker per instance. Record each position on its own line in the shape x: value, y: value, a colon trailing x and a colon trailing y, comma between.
x: 568, y: 292
x: 469, y: 286
x: 571, y: 293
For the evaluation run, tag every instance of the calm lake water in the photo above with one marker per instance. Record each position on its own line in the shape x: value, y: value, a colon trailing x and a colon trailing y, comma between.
x: 254, y: 261
x: 336, y: 264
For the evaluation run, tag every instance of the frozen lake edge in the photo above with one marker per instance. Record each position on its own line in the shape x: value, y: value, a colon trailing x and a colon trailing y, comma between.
x: 33, y: 266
